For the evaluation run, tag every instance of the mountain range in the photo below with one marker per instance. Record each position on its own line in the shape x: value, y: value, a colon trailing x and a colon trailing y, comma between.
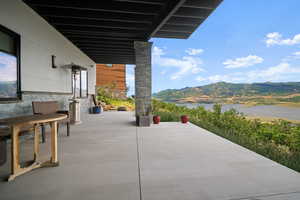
x: 234, y: 93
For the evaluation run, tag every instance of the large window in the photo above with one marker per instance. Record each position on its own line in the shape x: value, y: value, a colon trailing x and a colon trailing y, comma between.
x: 80, y: 83
x: 9, y: 65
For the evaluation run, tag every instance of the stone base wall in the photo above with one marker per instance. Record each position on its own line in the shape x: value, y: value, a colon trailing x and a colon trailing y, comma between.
x: 24, y: 107
x: 85, y: 105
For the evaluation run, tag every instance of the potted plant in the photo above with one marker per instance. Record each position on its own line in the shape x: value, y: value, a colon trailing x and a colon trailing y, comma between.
x: 184, y: 118
x: 156, y: 119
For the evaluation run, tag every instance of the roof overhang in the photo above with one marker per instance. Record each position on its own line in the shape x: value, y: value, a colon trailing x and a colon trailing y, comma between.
x: 105, y: 30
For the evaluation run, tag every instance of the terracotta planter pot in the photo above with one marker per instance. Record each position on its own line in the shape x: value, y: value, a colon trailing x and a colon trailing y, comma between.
x: 156, y: 119
x: 184, y: 119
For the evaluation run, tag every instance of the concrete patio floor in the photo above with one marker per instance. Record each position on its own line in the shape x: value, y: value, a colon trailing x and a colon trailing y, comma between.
x: 176, y: 161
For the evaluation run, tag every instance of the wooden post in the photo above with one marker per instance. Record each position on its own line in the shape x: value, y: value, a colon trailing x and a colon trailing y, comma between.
x: 54, y: 159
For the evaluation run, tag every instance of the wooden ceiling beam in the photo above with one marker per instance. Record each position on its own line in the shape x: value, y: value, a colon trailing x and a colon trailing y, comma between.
x: 204, y: 4
x: 94, y: 15
x: 192, y: 13
x: 167, y: 13
x: 96, y: 24
x: 92, y: 5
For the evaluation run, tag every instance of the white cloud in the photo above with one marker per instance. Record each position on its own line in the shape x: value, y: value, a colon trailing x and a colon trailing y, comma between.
x: 130, y: 73
x: 156, y: 51
x: 296, y: 53
x: 219, y: 78
x: 276, y: 39
x: 193, y: 52
x: 282, y: 72
x: 294, y: 56
x: 277, y: 72
x: 185, y: 65
x: 200, y: 79
x: 243, y: 62
x: 163, y: 72
x: 7, y: 67
x: 130, y: 78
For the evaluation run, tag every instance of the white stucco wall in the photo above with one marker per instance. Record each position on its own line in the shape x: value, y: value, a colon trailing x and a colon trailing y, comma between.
x: 39, y: 41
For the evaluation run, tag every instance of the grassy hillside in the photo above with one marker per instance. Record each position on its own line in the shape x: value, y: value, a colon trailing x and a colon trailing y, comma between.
x: 234, y: 93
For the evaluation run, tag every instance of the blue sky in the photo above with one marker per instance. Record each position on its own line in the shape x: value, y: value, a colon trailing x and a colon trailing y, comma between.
x: 241, y: 41
x: 7, y: 67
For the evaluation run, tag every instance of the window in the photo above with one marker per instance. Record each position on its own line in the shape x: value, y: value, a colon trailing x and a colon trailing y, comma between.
x: 108, y: 65
x: 80, y: 83
x: 83, y: 84
x: 10, y: 89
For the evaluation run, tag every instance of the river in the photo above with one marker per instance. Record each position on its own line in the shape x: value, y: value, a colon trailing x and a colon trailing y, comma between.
x: 268, y: 111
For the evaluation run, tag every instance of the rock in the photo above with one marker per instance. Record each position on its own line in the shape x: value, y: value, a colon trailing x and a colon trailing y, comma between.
x: 122, y: 108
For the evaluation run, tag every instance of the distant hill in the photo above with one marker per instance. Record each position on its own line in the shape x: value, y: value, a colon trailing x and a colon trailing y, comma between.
x: 232, y: 92
x: 8, y: 88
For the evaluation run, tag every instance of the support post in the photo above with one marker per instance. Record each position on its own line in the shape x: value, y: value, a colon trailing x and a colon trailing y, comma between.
x: 143, y: 82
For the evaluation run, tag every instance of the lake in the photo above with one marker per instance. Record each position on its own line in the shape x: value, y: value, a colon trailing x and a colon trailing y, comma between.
x: 272, y: 111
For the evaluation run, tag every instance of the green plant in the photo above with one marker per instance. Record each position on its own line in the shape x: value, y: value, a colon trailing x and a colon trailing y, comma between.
x: 105, y: 94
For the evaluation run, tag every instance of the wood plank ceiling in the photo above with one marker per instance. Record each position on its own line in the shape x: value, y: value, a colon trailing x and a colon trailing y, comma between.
x: 105, y: 30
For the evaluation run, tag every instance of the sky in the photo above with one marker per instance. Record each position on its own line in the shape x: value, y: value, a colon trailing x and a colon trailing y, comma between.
x: 8, y: 68
x: 242, y: 41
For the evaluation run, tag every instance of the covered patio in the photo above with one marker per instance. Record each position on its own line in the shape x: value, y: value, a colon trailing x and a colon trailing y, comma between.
x: 107, y: 157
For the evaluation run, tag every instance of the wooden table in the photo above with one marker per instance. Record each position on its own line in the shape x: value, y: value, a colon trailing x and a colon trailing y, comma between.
x: 15, y: 124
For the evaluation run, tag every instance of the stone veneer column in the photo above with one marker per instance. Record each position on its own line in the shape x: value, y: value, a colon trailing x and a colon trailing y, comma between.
x: 143, y: 87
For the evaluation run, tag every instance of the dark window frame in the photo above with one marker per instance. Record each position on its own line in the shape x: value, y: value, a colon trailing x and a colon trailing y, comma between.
x: 17, y: 48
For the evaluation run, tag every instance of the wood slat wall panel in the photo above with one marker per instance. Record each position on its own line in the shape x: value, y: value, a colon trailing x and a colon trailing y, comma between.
x: 106, y: 75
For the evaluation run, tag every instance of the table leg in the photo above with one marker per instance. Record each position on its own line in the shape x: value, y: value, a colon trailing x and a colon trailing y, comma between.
x: 53, y: 162
x: 54, y: 159
x: 15, y: 150
x: 36, y: 142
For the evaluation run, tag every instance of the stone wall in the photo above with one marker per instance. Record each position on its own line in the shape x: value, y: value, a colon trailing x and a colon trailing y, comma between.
x: 24, y: 107
x: 85, y: 105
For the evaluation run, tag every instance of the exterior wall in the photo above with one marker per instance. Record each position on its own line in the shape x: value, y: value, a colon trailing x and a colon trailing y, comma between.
x: 116, y: 74
x: 39, y: 40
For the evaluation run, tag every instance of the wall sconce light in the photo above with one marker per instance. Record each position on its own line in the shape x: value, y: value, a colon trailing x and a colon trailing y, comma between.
x: 53, y: 61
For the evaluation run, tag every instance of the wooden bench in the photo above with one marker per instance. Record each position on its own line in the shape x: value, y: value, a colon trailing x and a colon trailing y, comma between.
x: 50, y: 107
